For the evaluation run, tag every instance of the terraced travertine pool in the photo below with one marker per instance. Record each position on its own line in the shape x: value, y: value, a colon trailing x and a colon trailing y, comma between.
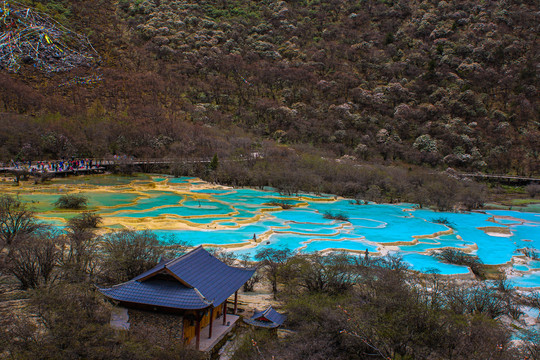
x: 245, y: 221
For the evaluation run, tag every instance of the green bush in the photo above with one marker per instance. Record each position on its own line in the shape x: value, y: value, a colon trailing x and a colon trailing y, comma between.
x: 458, y: 257
x: 281, y: 204
x: 444, y: 221
x: 71, y: 202
x: 86, y: 220
x: 335, y: 216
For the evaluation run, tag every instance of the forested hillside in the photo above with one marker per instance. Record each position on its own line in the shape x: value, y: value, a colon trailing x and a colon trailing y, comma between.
x: 417, y: 82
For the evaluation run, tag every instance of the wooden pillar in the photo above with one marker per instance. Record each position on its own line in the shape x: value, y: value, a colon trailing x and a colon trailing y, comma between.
x: 184, y: 328
x: 235, y: 301
x: 225, y: 312
x: 197, y: 330
x: 211, y: 322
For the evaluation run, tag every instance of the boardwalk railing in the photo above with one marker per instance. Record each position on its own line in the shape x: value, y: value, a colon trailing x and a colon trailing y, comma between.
x: 501, y: 178
x: 98, y: 165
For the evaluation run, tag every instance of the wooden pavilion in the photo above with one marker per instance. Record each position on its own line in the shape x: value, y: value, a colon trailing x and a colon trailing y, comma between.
x: 268, y: 318
x: 195, y: 285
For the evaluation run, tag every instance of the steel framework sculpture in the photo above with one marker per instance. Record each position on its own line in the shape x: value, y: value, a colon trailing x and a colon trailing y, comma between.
x: 30, y: 37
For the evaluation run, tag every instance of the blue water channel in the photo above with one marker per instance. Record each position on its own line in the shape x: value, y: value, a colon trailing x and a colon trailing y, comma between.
x: 234, y: 217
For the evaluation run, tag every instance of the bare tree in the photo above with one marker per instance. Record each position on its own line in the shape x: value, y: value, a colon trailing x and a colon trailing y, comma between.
x: 80, y: 258
x: 533, y: 189
x: 332, y: 273
x: 227, y: 257
x: 34, y: 257
x: 273, y: 262
x: 16, y: 219
x: 85, y: 220
x: 128, y: 253
x: 530, y: 344
x: 250, y: 284
x: 21, y: 175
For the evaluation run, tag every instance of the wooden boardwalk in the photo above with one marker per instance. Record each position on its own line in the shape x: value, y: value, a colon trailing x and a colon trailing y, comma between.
x: 506, y: 179
x: 34, y: 170
x: 22, y: 173
x: 99, y: 166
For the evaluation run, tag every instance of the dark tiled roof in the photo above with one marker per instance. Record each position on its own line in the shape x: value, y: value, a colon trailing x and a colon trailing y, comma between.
x: 268, y: 318
x: 164, y: 293
x: 207, y: 281
x: 158, y: 267
x: 214, y: 279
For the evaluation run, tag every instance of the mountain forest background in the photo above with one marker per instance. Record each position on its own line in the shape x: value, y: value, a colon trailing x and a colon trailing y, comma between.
x: 406, y: 85
x: 369, y: 99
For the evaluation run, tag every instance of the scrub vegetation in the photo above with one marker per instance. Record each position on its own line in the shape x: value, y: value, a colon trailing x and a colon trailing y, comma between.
x: 371, y: 100
x: 458, y: 257
x: 352, y: 307
x: 428, y: 83
x: 291, y: 172
x: 340, y: 306
x: 71, y: 202
x: 335, y: 216
x: 63, y: 317
x: 365, y: 99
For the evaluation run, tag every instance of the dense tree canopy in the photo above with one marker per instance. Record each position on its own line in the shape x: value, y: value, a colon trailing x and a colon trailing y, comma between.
x: 437, y: 83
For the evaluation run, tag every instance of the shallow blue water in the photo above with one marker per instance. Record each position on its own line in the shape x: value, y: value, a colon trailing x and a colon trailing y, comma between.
x: 245, y: 212
x: 521, y: 267
x: 182, y: 180
x: 528, y: 280
x: 212, y: 236
x: 427, y: 263
x: 532, y: 312
x: 425, y: 246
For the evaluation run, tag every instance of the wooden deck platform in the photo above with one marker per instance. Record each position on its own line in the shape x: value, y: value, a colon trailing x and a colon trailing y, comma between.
x: 219, y: 331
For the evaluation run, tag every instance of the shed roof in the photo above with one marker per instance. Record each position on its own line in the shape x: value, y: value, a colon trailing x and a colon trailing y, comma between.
x: 268, y: 318
x: 201, y: 280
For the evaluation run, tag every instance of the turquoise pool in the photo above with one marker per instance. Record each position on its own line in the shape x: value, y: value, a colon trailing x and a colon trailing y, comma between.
x: 195, y: 212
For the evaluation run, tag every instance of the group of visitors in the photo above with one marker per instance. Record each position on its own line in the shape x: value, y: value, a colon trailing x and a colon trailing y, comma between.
x: 55, y: 166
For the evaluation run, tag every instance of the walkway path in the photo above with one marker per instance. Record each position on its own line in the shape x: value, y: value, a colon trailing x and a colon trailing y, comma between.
x: 501, y: 178
x: 90, y: 166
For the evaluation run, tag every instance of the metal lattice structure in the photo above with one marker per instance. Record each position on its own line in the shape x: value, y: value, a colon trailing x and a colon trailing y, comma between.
x: 28, y: 36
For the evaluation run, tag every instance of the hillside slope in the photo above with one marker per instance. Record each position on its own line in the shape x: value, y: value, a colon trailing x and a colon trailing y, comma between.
x: 420, y: 82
